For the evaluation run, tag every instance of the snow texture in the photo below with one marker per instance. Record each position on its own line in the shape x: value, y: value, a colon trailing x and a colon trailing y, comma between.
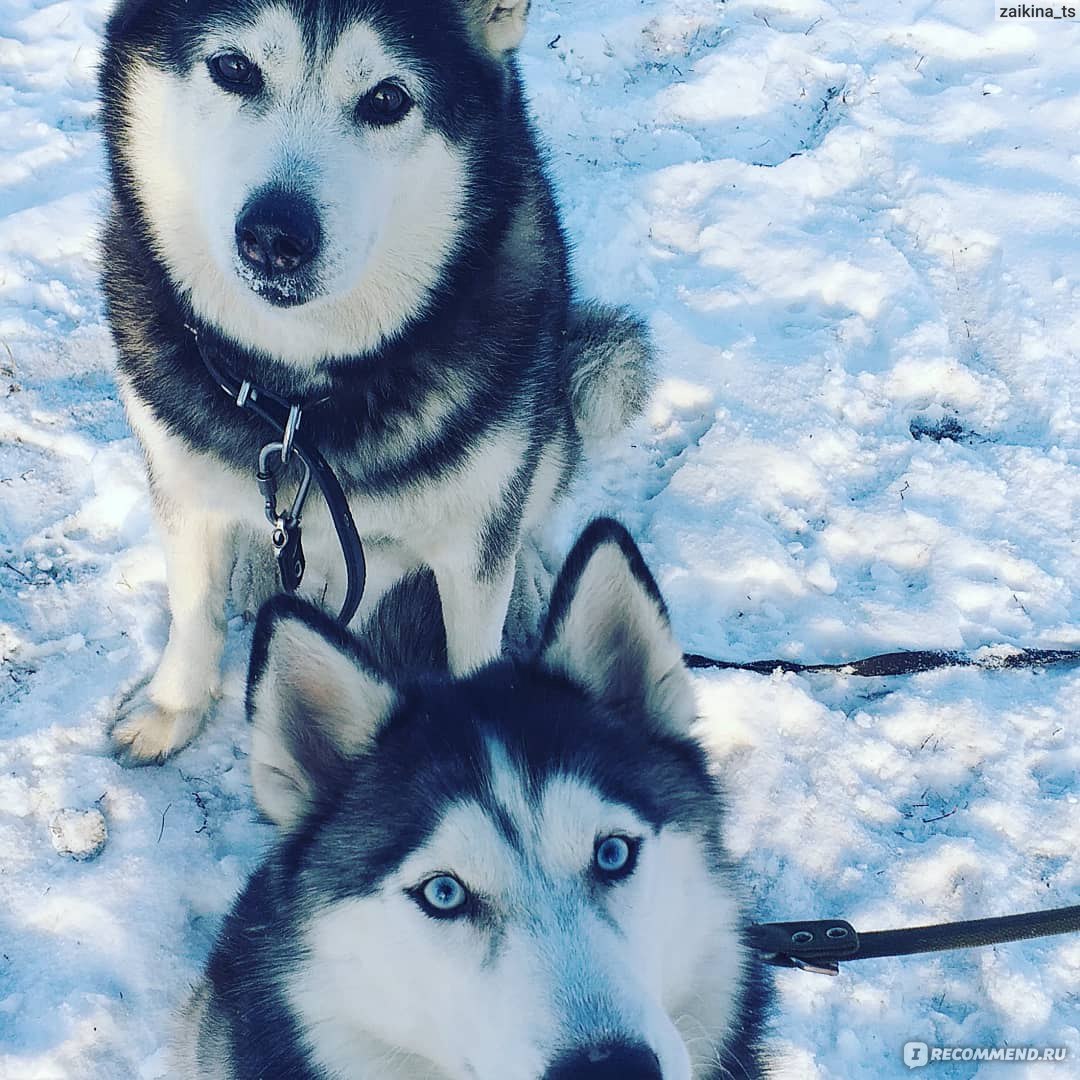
x: 82, y: 834
x: 853, y: 228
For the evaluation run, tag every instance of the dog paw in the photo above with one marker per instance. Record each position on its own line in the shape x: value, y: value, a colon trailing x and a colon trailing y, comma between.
x: 145, y: 733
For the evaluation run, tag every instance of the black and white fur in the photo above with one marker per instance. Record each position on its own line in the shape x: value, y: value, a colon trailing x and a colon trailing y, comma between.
x: 384, y: 779
x: 410, y: 272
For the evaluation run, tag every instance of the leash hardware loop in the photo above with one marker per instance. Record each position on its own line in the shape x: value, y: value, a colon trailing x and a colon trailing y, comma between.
x: 267, y: 476
x: 289, y: 552
x: 292, y: 425
x: 816, y: 946
x: 816, y: 967
x: 270, y: 472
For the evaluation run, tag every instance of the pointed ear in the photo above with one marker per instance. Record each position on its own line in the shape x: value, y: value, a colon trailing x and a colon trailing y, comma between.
x: 608, y: 630
x: 313, y: 704
x: 499, y: 23
x: 125, y: 14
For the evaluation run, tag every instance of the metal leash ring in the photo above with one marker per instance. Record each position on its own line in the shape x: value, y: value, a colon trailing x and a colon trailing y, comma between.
x: 292, y: 425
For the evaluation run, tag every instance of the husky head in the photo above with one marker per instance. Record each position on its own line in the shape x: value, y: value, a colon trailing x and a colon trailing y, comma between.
x: 517, y: 876
x: 307, y: 169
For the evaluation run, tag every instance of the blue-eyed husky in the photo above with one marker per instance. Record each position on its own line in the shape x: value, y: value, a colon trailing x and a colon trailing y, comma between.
x: 344, y: 201
x: 518, y: 875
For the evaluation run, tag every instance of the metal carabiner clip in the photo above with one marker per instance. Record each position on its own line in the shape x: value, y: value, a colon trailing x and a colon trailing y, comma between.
x: 268, y: 477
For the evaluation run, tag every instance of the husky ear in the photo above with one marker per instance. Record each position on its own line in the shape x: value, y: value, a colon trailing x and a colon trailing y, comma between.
x: 125, y: 14
x: 501, y: 23
x: 608, y: 630
x: 313, y: 704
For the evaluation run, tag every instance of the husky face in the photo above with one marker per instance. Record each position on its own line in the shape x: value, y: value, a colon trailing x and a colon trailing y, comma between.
x: 304, y: 168
x: 518, y: 876
x: 532, y: 930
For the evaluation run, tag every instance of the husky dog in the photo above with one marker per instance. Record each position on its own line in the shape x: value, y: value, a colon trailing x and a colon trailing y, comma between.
x: 518, y: 875
x: 345, y: 202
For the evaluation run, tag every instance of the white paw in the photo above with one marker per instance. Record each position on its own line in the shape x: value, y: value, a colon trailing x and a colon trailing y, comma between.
x: 145, y: 733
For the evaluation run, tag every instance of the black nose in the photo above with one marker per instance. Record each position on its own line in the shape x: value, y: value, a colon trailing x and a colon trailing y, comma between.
x: 277, y: 233
x: 611, y: 1061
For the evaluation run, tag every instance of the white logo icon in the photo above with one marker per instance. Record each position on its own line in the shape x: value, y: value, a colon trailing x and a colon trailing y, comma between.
x: 916, y: 1055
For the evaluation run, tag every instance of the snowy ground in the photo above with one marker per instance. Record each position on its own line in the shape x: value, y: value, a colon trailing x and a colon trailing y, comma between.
x: 853, y: 227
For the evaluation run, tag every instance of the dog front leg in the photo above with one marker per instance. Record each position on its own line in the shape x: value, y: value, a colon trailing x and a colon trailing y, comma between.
x: 165, y: 713
x: 474, y: 611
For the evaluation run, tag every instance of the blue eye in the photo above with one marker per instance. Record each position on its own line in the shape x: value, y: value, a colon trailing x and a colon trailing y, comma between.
x: 615, y: 857
x: 442, y: 896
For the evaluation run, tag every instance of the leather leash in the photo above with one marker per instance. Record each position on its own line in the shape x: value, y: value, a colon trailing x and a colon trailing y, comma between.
x: 822, y: 945
x: 283, y: 418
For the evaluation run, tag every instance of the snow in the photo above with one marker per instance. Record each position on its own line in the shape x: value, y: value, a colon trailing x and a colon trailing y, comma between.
x: 82, y: 834
x: 853, y: 228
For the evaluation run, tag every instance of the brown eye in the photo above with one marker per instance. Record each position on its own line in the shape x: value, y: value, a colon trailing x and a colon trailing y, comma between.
x: 235, y: 73
x: 387, y: 103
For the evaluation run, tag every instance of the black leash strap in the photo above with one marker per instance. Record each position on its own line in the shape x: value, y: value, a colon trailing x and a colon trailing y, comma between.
x: 283, y: 418
x: 822, y: 945
x: 899, y: 663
